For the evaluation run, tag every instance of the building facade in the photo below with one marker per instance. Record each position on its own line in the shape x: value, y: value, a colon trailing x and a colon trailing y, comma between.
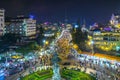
x: 107, y: 40
x: 23, y: 26
x: 106, y: 37
x: 115, y: 21
x: 2, y: 13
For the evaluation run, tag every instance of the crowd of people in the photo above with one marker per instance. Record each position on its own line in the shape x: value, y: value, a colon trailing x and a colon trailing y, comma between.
x: 105, y: 69
x: 12, y: 66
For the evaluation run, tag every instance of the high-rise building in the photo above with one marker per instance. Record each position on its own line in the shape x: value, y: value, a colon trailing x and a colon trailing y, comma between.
x: 2, y: 12
x: 115, y: 21
x: 106, y: 40
x: 24, y: 26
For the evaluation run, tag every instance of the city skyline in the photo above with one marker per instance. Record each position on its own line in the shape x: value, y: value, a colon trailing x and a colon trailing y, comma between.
x: 60, y: 40
x: 56, y: 11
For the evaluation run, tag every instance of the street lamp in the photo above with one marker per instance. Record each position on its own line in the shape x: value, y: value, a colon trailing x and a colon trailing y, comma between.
x: 117, y: 48
x: 46, y: 42
x: 43, y: 41
x: 76, y: 26
x: 92, y: 43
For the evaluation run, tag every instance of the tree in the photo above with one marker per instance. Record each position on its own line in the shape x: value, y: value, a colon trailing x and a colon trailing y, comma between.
x: 40, y: 35
x: 10, y: 38
x: 79, y: 38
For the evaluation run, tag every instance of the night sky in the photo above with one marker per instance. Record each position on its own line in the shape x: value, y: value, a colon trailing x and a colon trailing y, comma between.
x: 55, y: 10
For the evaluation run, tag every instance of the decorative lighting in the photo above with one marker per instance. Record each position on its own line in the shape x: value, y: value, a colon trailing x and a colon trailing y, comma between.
x: 31, y: 16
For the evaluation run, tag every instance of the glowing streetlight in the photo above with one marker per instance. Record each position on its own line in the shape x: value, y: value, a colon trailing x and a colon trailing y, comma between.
x: 75, y: 46
x: 46, y: 42
x: 92, y: 43
x: 43, y: 41
x: 117, y: 48
x: 76, y: 26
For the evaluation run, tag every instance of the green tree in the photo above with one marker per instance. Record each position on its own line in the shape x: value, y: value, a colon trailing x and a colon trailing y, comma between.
x: 10, y: 38
x: 79, y: 38
x: 40, y: 35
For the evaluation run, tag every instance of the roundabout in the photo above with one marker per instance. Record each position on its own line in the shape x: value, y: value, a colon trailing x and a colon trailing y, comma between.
x: 62, y: 54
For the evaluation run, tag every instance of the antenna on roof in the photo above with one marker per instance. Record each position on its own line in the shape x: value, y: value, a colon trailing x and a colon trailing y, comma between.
x: 84, y: 22
x: 66, y: 20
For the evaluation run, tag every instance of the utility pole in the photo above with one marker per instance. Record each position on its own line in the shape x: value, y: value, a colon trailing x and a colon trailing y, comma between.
x: 66, y: 17
x: 92, y: 46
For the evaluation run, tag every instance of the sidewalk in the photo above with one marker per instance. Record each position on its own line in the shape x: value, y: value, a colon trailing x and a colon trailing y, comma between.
x: 109, y: 57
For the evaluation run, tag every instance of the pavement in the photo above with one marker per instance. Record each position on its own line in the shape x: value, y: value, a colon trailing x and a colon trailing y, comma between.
x: 27, y: 71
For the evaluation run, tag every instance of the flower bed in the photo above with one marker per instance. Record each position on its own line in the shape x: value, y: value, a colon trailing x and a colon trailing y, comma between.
x: 75, y: 75
x: 66, y: 74
x: 40, y: 75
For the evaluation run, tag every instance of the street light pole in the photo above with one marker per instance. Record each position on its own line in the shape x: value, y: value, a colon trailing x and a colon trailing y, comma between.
x: 92, y: 46
x: 92, y: 49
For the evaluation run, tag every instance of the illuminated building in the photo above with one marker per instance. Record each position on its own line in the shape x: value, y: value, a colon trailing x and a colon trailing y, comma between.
x: 115, y: 21
x: 106, y: 40
x: 69, y: 26
x: 2, y: 12
x: 24, y: 26
x: 49, y: 34
x: 107, y: 37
